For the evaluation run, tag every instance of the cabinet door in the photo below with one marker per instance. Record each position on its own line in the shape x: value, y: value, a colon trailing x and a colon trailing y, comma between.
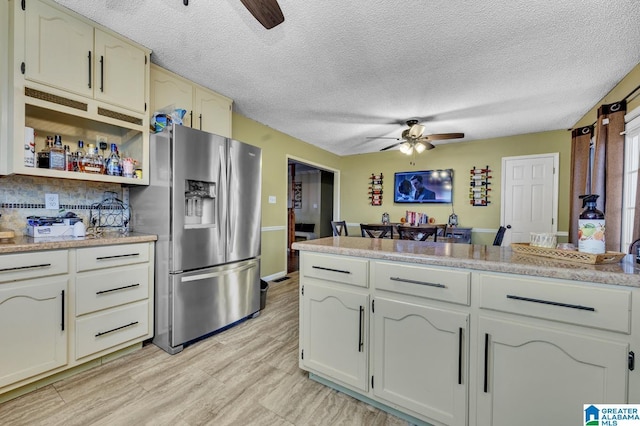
x: 212, y: 113
x: 529, y: 375
x: 420, y: 359
x: 33, y: 331
x: 334, y: 344
x: 58, y: 49
x: 169, y: 90
x: 120, y: 72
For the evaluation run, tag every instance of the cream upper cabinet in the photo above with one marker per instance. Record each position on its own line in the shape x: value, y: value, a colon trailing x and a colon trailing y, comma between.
x: 70, y: 54
x: 212, y: 113
x: 206, y: 110
x: 120, y: 77
x: 169, y: 90
x: 59, y: 49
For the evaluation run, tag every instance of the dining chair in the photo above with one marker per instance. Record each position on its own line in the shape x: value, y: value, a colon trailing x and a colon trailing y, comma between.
x: 339, y: 227
x: 376, y: 231
x: 633, y: 245
x: 499, y: 236
x: 417, y: 233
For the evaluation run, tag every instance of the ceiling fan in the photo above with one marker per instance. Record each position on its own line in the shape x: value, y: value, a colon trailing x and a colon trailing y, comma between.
x: 413, y: 139
x: 267, y: 12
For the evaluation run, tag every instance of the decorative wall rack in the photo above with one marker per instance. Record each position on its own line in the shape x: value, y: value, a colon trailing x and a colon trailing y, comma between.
x: 375, y: 189
x: 479, y: 187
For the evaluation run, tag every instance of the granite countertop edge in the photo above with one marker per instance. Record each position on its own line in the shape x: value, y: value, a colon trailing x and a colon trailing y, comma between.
x: 23, y: 243
x: 489, y: 259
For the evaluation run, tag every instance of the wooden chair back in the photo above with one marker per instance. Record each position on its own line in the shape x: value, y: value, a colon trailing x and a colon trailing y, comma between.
x: 376, y: 231
x: 417, y: 233
x: 339, y: 228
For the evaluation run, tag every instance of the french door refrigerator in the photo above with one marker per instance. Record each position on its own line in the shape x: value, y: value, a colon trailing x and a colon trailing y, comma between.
x: 203, y: 203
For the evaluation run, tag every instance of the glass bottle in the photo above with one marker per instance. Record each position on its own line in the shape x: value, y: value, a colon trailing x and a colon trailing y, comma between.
x: 78, y: 156
x: 90, y: 162
x: 113, y: 162
x: 43, y: 155
x: 56, y: 155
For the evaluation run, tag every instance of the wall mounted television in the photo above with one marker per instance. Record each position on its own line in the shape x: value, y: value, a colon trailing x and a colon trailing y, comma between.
x: 423, y: 187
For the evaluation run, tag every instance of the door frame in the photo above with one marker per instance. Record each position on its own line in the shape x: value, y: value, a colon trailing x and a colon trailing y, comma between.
x: 556, y: 175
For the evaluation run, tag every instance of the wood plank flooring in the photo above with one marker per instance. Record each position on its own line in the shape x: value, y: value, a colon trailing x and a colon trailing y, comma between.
x: 247, y: 375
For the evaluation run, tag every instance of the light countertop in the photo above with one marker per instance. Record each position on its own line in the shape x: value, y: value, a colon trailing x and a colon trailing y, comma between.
x: 478, y: 257
x: 23, y: 243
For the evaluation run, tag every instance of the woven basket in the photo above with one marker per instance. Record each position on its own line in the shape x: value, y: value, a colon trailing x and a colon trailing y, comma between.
x: 570, y: 255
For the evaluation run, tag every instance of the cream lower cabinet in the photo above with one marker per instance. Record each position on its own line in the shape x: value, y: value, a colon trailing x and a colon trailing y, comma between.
x: 546, y: 347
x: 334, y: 333
x: 33, y: 314
x: 420, y: 357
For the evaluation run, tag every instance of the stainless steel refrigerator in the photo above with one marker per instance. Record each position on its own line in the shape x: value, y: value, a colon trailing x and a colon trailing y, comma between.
x: 203, y: 202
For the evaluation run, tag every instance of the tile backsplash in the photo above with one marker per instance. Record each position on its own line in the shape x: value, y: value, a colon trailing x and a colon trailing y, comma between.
x: 23, y: 196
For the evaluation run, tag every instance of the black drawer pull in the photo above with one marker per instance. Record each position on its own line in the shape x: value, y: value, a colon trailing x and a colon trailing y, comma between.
x: 102, y: 333
x: 332, y: 270
x: 90, y: 75
x: 360, y: 327
x: 550, y: 302
x: 119, y: 288
x: 63, y: 313
x: 19, y: 268
x: 117, y: 256
x: 460, y: 342
x: 486, y: 363
x: 404, y: 280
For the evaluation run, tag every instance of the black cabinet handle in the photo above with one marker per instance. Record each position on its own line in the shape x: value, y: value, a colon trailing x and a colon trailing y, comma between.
x: 102, y: 73
x: 118, y: 288
x: 200, y: 121
x: 486, y: 362
x: 89, y: 69
x: 404, y: 280
x: 331, y: 270
x: 62, y: 323
x: 117, y: 256
x: 19, y: 268
x: 460, y: 355
x: 191, y: 118
x: 360, y: 332
x: 550, y: 302
x: 632, y: 361
x: 102, y: 333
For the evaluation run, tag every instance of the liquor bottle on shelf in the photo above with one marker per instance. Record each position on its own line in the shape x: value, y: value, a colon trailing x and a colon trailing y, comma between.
x: 68, y: 159
x: 78, y: 156
x: 43, y: 155
x: 92, y: 163
x: 56, y: 155
x: 114, y: 167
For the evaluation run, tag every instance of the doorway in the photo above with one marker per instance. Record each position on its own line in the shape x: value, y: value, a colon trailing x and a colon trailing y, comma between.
x: 311, y: 205
x: 529, y: 201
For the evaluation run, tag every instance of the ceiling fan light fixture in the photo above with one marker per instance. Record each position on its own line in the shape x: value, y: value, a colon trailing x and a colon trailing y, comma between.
x: 416, y: 131
x: 420, y: 147
x: 406, y: 148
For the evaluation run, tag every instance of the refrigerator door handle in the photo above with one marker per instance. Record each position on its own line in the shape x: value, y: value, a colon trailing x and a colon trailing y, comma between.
x: 215, y: 274
x: 221, y: 193
x: 231, y: 223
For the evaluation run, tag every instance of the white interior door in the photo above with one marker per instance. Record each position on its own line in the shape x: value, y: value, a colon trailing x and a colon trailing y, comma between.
x: 529, y: 196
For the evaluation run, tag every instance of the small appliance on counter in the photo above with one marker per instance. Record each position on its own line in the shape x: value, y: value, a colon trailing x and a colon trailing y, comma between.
x: 45, y: 226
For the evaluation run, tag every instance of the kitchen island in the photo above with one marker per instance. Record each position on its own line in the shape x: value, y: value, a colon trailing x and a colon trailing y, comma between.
x: 451, y: 334
x: 68, y: 303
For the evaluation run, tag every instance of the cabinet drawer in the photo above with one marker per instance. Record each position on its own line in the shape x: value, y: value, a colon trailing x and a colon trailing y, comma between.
x: 103, y: 330
x: 111, y: 287
x: 341, y: 269
x: 21, y: 266
x: 448, y: 285
x: 109, y: 256
x: 585, y: 305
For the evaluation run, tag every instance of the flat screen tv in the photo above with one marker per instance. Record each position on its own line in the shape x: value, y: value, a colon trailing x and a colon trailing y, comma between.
x: 427, y: 186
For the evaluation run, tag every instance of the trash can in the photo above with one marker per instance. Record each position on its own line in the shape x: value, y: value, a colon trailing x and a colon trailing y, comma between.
x: 264, y: 286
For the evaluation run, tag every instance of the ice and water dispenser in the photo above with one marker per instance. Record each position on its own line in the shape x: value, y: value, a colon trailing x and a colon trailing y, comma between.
x: 199, y: 203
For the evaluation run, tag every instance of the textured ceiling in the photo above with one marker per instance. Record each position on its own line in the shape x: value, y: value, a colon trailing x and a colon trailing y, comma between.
x: 336, y: 72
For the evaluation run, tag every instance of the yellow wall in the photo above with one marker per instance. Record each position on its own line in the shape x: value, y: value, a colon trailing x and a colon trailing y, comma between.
x: 461, y: 157
x: 276, y: 147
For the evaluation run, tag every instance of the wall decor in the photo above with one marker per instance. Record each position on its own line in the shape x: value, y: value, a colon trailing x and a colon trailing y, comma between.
x: 297, y: 195
x: 375, y: 189
x: 479, y: 187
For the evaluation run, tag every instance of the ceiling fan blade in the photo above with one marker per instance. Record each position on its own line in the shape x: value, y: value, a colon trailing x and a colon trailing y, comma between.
x: 267, y: 12
x: 383, y: 137
x: 443, y: 136
x: 391, y: 146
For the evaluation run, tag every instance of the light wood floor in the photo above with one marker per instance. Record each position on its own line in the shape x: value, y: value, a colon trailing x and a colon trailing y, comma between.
x: 247, y: 375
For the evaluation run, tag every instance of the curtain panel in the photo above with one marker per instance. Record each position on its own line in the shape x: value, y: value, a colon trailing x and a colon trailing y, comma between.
x: 580, y: 175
